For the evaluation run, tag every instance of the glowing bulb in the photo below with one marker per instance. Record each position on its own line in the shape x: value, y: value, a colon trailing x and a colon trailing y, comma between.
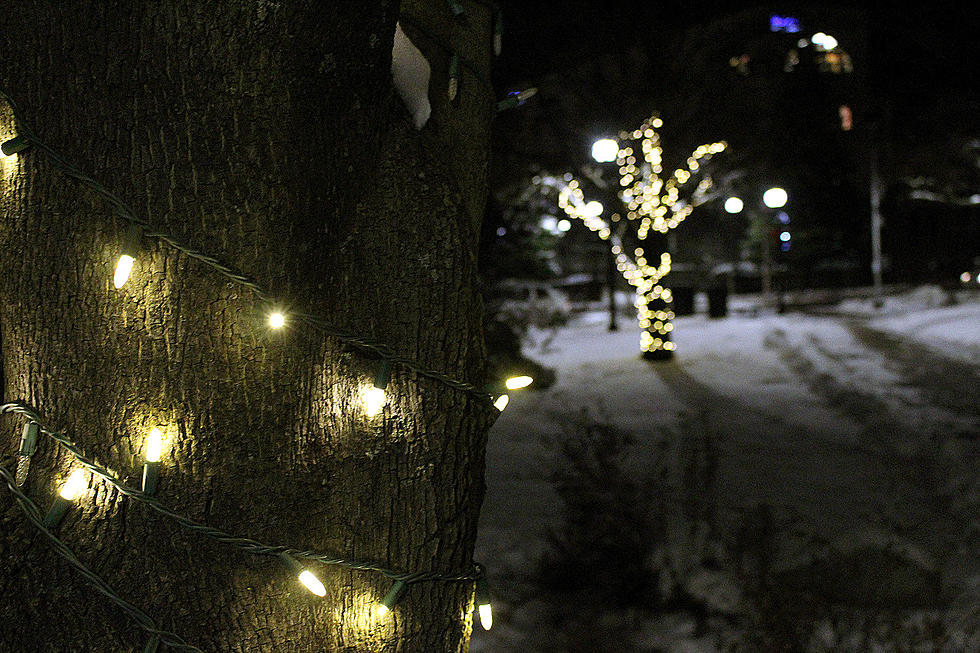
x: 733, y: 205
x: 605, y: 150
x: 305, y: 576
x: 154, y: 445
x: 593, y: 209
x: 517, y: 382
x: 483, y: 601
x: 130, y: 246
x: 373, y: 399
x: 123, y: 267
x: 277, y: 320
x: 312, y: 583
x: 151, y: 468
x: 501, y: 402
x: 73, y: 486
x: 398, y: 588
x: 775, y: 198
x: 486, y: 616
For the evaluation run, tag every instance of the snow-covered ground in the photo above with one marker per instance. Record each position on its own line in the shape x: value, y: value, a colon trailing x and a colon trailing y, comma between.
x: 787, y: 477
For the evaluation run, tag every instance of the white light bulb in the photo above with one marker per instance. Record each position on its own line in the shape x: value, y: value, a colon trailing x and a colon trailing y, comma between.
x: 373, y: 399
x: 382, y: 610
x: 486, y: 616
x: 733, y: 205
x: 277, y: 320
x: 516, y: 382
x: 123, y: 268
x: 154, y: 445
x: 775, y: 198
x: 501, y: 402
x: 605, y: 150
x: 74, y: 485
x: 312, y: 583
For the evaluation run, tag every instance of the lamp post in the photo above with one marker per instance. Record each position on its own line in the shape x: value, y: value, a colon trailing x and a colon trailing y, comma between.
x: 773, y: 198
x: 605, y: 150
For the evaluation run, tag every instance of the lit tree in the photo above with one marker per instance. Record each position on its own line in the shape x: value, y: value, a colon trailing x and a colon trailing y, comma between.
x: 653, y: 205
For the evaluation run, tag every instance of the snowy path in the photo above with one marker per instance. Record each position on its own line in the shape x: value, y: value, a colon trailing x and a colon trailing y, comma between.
x: 852, y: 436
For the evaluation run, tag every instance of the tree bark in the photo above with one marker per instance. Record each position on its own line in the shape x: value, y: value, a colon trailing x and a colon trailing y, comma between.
x: 268, y: 135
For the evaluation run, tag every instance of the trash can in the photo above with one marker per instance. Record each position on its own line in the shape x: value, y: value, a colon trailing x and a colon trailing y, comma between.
x: 718, y: 302
x: 683, y: 300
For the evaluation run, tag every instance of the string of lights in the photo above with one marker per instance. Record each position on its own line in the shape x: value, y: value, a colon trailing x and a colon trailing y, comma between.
x: 243, y: 543
x: 144, y: 621
x: 456, y: 61
x: 652, y: 203
x: 139, y: 229
x: 411, y: 21
x: 76, y: 483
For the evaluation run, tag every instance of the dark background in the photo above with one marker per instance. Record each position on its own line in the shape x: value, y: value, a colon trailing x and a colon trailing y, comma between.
x: 602, y: 67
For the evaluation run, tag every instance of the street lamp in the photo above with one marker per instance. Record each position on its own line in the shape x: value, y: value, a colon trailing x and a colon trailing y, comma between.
x: 773, y: 198
x: 606, y: 150
x: 734, y: 205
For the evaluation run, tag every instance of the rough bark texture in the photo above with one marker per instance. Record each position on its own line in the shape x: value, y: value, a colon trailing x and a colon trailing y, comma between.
x: 266, y: 133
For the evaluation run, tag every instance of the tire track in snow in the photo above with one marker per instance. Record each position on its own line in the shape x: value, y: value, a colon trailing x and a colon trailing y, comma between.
x: 950, y: 383
x: 897, y: 418
x: 809, y: 471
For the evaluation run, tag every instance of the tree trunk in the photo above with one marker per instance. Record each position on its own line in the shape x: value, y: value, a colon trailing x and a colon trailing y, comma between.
x: 265, y: 134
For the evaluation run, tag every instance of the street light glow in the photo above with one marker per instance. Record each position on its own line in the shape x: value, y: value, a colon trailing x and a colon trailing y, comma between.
x: 825, y: 41
x: 775, y: 198
x: 733, y: 205
x: 605, y: 150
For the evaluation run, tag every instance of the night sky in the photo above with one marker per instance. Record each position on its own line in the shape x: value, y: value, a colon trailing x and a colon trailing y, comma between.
x: 916, y: 84
x: 927, y: 46
x: 923, y: 57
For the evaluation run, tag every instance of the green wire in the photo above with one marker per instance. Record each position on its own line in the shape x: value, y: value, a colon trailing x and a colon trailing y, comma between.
x: 365, y: 344
x: 144, y: 621
x: 245, y: 544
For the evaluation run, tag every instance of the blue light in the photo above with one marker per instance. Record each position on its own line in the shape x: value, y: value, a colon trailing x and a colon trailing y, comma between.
x: 784, y: 236
x: 784, y: 24
x: 783, y: 217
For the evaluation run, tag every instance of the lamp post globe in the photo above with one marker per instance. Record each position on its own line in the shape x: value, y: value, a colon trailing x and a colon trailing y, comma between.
x: 775, y: 198
x: 734, y: 205
x: 605, y: 150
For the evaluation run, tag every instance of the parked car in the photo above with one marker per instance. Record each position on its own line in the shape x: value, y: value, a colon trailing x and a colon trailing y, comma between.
x: 524, y: 304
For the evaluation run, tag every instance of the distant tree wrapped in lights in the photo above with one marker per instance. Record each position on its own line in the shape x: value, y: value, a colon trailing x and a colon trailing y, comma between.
x: 652, y: 204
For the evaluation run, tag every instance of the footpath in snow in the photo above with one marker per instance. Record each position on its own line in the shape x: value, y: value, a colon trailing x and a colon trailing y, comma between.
x: 797, y: 476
